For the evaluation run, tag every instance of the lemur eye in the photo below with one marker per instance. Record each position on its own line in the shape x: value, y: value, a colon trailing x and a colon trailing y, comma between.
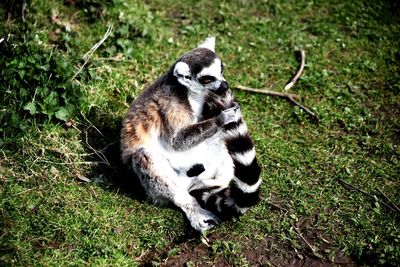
x: 206, y: 79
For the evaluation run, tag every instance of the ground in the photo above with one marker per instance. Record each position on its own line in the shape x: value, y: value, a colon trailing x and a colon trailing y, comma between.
x: 330, y: 187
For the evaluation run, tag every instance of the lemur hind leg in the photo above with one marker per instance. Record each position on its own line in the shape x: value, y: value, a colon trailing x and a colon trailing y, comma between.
x: 163, y: 184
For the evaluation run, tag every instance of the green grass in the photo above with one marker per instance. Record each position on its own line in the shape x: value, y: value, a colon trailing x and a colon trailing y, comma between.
x: 54, y: 130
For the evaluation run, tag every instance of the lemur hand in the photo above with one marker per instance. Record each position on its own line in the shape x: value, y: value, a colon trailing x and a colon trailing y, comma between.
x: 229, y: 115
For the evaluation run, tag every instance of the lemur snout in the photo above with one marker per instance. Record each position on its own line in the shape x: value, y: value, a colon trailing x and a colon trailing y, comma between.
x: 223, y: 87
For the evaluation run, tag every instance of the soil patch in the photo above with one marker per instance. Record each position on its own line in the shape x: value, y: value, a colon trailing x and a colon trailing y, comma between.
x: 267, y: 252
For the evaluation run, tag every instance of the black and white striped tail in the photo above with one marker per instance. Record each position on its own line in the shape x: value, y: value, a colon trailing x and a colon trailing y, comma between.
x: 243, y: 191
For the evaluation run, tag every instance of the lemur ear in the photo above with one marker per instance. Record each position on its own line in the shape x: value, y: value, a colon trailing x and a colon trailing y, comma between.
x: 182, y: 69
x: 208, y: 43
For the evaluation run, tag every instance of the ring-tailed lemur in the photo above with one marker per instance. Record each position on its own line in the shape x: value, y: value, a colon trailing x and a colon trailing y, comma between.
x: 173, y: 148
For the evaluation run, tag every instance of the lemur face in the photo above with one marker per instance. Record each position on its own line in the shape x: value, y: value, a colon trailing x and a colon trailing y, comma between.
x: 200, y: 70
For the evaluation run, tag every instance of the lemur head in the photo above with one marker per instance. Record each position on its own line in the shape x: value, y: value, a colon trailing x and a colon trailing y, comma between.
x: 200, y: 69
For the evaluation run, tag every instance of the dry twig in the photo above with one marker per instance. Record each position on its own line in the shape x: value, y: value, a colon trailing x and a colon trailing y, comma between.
x: 313, y: 249
x: 23, y: 11
x: 72, y: 163
x: 99, y: 153
x: 267, y: 92
x: 293, y: 98
x: 299, y: 72
x: 92, y: 125
x: 388, y: 200
x: 90, y: 53
x: 83, y: 178
x: 276, y: 206
x: 312, y: 114
x: 368, y: 194
x: 290, y: 97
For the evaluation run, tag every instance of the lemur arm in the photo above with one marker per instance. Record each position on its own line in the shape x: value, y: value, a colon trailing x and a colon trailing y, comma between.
x: 194, y: 134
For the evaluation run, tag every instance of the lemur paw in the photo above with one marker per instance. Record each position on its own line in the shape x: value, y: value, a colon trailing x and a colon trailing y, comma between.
x: 230, y: 115
x: 203, y: 219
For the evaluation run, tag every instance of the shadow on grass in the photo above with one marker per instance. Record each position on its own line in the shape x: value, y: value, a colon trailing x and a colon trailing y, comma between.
x: 102, y: 140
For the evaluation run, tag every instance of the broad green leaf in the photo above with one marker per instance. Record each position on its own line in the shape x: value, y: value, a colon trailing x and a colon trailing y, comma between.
x: 62, y: 114
x: 31, y: 107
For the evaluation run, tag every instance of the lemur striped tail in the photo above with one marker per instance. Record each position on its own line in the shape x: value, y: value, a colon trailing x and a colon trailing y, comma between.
x: 243, y: 191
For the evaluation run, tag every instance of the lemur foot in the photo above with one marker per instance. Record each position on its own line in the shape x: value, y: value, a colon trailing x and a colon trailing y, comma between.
x: 202, y: 219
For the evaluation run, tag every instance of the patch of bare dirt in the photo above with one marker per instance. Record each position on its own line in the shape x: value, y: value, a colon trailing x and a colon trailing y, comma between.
x: 271, y: 252
x: 267, y: 252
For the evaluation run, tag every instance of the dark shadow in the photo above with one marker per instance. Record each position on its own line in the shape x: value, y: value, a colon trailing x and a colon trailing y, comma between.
x: 13, y: 10
x: 102, y: 138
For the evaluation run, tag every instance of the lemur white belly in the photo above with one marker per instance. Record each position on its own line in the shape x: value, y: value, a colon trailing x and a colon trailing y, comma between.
x: 212, y: 154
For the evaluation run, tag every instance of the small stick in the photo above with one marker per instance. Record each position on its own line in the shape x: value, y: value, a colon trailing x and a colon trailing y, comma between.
x: 204, y: 239
x: 299, y: 72
x: 267, y: 92
x: 313, y: 249
x: 73, y: 163
x: 276, y: 206
x: 312, y: 114
x: 290, y: 97
x: 99, y: 153
x: 83, y: 179
x: 90, y: 53
x: 23, y: 192
x: 23, y: 13
x: 388, y: 200
x: 92, y: 125
x: 367, y: 194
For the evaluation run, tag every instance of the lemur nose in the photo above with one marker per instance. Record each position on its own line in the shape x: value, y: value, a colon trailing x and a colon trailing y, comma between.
x: 223, y: 87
